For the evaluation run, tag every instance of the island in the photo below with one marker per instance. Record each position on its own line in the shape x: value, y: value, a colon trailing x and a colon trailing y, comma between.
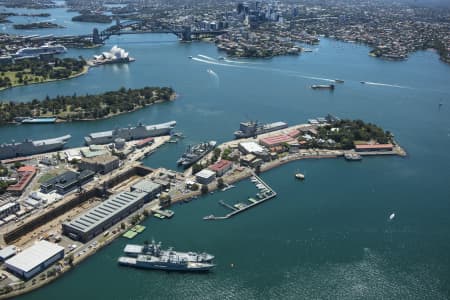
x: 86, y: 107
x: 30, y: 71
x: 92, y: 18
x: 38, y: 25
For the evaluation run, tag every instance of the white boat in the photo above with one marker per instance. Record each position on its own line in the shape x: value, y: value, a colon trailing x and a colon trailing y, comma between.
x: 392, y: 216
x: 300, y: 176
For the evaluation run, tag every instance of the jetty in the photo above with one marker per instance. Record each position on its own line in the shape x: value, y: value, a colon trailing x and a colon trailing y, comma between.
x: 266, y: 193
x: 166, y: 212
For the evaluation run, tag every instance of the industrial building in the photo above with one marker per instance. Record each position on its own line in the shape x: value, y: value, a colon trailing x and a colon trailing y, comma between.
x: 250, y: 148
x: 147, y: 186
x: 221, y: 167
x: 8, y: 209
x: 205, y: 176
x: 7, y: 252
x: 102, y: 164
x: 67, y: 181
x: 34, y: 259
x: 275, y: 140
x: 103, y: 216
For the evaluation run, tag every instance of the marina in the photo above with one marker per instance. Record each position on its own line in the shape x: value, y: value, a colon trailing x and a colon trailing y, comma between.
x: 266, y: 193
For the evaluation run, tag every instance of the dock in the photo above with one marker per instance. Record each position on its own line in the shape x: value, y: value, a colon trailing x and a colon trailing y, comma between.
x: 268, y: 193
x: 166, y: 213
x: 227, y: 205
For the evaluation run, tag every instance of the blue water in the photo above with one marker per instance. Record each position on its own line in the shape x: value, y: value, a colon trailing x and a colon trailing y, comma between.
x: 326, y: 237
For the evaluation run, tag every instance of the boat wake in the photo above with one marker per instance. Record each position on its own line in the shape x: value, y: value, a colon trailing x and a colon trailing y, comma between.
x: 206, y: 57
x: 240, y: 62
x: 385, y: 84
x: 214, y: 62
x: 244, y: 65
x: 212, y: 73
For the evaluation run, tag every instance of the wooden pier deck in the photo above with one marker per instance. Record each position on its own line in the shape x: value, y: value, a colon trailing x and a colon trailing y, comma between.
x: 235, y: 210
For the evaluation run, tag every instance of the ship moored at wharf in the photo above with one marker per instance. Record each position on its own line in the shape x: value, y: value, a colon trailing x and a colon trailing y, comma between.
x: 30, y: 147
x: 253, y: 128
x: 154, y: 249
x: 141, y: 131
x: 151, y: 256
x: 195, y: 153
x: 30, y: 120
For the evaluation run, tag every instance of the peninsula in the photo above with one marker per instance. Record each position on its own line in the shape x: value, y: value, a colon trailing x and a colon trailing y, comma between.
x: 145, y: 191
x: 86, y: 107
x: 30, y: 71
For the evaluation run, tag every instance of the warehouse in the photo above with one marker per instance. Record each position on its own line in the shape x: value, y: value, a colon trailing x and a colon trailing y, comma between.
x: 34, y: 259
x: 149, y: 187
x: 98, y: 219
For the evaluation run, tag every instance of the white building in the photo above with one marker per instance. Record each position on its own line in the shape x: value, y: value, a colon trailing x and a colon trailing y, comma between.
x: 35, y: 259
x: 205, y: 176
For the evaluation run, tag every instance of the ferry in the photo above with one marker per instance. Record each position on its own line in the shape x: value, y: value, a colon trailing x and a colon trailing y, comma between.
x: 322, y: 86
x: 352, y: 156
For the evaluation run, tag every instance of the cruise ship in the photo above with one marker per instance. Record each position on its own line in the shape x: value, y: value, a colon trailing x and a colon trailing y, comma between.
x: 141, y: 131
x: 252, y: 129
x: 154, y: 249
x: 151, y: 256
x: 195, y: 153
x: 30, y: 147
x: 44, y: 49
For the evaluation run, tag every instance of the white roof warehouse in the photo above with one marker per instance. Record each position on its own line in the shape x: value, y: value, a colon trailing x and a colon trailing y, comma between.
x: 35, y: 259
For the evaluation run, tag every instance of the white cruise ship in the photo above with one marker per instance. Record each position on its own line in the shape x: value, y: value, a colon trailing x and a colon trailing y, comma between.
x: 44, y: 49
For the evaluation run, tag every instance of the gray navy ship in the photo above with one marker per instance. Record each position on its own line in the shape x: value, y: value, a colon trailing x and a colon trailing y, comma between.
x: 129, y: 133
x: 195, y: 153
x: 151, y: 256
x: 252, y: 129
x: 154, y: 249
x: 30, y: 147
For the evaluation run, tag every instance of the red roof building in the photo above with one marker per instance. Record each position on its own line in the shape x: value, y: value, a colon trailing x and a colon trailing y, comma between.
x: 221, y: 167
x: 26, y: 174
x: 294, y: 133
x: 275, y: 140
x: 144, y: 142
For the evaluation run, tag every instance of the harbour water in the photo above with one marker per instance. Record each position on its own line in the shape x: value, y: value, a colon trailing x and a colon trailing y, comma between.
x: 327, y: 237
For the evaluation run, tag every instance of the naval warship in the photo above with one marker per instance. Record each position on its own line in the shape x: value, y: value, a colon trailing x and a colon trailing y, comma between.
x: 141, y: 131
x: 154, y: 249
x: 252, y: 129
x: 151, y: 256
x: 195, y: 153
x: 30, y: 147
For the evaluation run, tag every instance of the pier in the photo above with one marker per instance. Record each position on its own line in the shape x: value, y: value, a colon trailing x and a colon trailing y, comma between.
x: 240, y: 207
x: 166, y: 213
